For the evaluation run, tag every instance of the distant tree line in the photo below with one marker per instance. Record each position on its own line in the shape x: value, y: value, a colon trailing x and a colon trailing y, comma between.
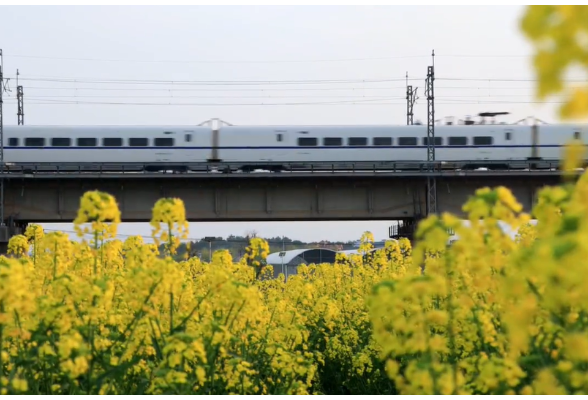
x: 236, y: 245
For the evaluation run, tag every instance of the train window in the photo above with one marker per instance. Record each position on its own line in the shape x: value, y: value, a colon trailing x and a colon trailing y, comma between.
x: 458, y: 141
x: 307, y: 141
x: 357, y: 141
x: 35, y: 142
x: 332, y: 141
x: 483, y: 140
x: 112, y: 142
x: 279, y: 137
x: 576, y: 135
x: 407, y: 141
x: 61, y: 142
x: 138, y: 142
x: 382, y: 141
x: 87, y: 142
x: 188, y: 137
x: 507, y: 135
x: 13, y: 142
x: 438, y: 141
x: 164, y: 142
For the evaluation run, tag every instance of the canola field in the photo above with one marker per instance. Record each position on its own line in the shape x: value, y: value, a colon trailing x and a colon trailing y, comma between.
x: 486, y: 315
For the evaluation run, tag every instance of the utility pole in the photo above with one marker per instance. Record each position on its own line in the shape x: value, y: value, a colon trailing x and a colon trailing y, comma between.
x: 403, y: 227
x: 411, y: 98
x: 431, y: 182
x: 19, y: 99
x: 2, y: 89
x: 4, y: 232
x: 209, y: 239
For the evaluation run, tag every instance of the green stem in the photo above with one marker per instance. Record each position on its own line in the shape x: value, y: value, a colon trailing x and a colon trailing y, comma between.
x: 1, y: 345
x: 451, y: 313
x: 95, y: 248
x: 35, y: 252
x: 102, y: 251
x: 169, y: 239
x: 55, y: 261
x: 171, y: 312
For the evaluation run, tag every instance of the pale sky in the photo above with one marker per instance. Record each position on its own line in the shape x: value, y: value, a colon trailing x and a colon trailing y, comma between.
x: 476, y: 47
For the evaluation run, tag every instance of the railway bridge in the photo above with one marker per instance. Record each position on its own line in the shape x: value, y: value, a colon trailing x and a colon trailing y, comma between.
x: 38, y: 193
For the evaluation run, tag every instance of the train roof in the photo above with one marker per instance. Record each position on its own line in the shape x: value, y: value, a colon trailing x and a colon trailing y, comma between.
x: 284, y: 126
x: 104, y: 126
x: 232, y: 126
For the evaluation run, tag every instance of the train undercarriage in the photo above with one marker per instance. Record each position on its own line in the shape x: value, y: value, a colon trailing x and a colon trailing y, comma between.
x: 232, y: 167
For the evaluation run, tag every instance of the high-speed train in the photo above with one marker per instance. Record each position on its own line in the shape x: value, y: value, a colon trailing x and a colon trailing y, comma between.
x: 250, y: 147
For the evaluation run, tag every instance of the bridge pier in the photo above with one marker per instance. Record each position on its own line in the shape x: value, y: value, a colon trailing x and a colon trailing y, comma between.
x: 454, y: 191
x: 8, y: 231
x: 406, y: 227
x: 4, y: 238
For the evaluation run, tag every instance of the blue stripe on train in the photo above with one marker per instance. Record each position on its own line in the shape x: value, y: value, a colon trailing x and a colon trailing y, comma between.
x: 511, y: 146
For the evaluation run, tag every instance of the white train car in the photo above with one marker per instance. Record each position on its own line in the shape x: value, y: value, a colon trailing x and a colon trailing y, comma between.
x: 319, y: 143
x: 268, y: 146
x: 106, y: 144
x: 339, y: 145
x: 347, y: 144
x: 547, y: 141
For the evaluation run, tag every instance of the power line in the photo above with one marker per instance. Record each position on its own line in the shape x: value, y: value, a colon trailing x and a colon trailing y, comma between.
x: 206, y: 104
x: 176, y: 88
x: 216, y: 61
x: 179, y: 88
x: 357, y: 96
x: 505, y: 80
x: 207, y: 97
x: 458, y: 97
x: 210, y: 82
x: 103, y: 81
x: 261, y: 61
x: 334, y: 103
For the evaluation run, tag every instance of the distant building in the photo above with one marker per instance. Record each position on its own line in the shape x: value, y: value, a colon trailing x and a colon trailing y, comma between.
x: 287, y: 262
x: 356, y: 251
x: 378, y: 244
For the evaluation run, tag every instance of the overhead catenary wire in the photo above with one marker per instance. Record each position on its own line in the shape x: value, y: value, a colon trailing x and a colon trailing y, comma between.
x: 479, y: 94
x: 115, y: 60
x: 117, y: 81
x: 69, y: 96
x: 349, y: 103
x: 354, y: 95
x: 177, y: 88
x: 120, y: 81
x: 448, y: 93
x: 358, y: 97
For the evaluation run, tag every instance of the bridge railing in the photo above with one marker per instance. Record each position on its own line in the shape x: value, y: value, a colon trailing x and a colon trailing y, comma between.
x: 420, y: 167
